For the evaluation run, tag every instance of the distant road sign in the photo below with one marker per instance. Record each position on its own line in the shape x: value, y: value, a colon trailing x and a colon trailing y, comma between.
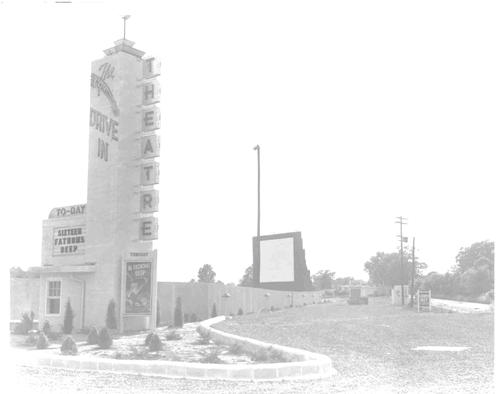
x: 424, y: 301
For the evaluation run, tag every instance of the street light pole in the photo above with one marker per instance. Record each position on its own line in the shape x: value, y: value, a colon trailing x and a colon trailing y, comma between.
x: 257, y: 148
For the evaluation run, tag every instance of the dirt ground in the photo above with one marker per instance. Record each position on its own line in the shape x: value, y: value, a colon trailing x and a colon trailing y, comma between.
x: 370, y: 346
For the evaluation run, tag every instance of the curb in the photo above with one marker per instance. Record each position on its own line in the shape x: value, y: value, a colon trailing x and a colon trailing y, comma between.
x: 308, y: 365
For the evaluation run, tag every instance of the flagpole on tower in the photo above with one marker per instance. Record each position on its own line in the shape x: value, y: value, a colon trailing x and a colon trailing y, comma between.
x: 125, y: 24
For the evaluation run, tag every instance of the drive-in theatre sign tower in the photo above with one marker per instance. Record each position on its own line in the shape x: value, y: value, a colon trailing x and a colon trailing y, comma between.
x: 101, y: 251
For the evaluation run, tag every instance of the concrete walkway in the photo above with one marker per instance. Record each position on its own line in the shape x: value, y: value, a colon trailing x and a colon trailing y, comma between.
x: 461, y: 307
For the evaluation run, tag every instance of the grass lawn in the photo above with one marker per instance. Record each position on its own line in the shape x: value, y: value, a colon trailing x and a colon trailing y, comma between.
x: 371, y: 346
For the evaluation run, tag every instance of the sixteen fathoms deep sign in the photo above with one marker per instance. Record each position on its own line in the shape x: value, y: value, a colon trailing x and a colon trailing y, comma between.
x: 68, y: 240
x: 138, y: 288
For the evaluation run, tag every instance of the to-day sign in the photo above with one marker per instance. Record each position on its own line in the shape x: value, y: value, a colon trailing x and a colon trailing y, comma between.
x: 68, y: 240
x: 71, y: 210
x: 138, y: 287
x: 424, y: 300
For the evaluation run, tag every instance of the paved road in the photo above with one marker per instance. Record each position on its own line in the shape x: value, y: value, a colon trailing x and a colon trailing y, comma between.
x: 460, y: 306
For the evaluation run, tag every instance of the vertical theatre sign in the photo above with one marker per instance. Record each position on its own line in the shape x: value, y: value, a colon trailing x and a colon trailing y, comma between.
x: 138, y: 287
x: 149, y: 151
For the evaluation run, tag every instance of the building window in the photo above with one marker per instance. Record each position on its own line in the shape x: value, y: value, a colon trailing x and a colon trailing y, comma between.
x: 54, y: 297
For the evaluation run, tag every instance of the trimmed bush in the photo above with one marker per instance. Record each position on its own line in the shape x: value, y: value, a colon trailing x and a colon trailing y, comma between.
x: 186, y: 317
x: 68, y: 318
x: 46, y: 328
x: 204, y: 336
x: 42, y: 341
x: 193, y: 317
x: 214, y: 310
x: 178, y: 321
x: 236, y: 348
x: 111, y: 315
x: 69, y: 347
x: 268, y: 355
x: 32, y: 338
x: 93, y: 337
x: 147, y: 341
x: 105, y: 341
x: 212, y: 358
x: 155, y: 344
x: 26, y: 323
x: 240, y: 312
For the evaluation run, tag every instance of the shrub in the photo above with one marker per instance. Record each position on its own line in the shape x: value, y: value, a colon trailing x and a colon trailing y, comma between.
x: 236, y: 349
x: 240, y: 312
x: 111, y: 315
x: 147, y: 341
x: 26, y: 323
x: 178, y: 321
x: 32, y: 338
x: 212, y: 358
x: 268, y: 355
x: 155, y: 343
x: 186, y: 317
x: 173, y: 336
x: 204, y: 336
x: 214, y: 310
x: 42, y: 341
x: 46, y: 328
x: 68, y: 346
x: 139, y: 354
x: 272, y: 308
x: 193, y: 317
x: 105, y: 341
x: 68, y: 318
x: 93, y: 337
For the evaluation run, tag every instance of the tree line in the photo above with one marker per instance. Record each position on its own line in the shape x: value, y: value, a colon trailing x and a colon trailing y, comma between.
x: 471, y: 278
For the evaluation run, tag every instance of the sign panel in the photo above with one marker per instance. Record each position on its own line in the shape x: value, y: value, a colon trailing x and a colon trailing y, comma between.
x: 151, y: 67
x: 68, y: 241
x: 150, y: 146
x: 276, y: 260
x: 72, y: 210
x: 150, y: 173
x: 138, y: 287
x: 151, y: 92
x: 424, y: 300
x: 148, y: 228
x: 151, y: 118
x: 149, y: 201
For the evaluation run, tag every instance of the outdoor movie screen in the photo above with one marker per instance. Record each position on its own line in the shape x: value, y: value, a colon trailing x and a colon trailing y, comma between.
x: 276, y: 260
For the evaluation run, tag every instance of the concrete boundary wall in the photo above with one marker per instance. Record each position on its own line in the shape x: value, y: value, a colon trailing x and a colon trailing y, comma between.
x: 199, y: 298
x: 311, y: 366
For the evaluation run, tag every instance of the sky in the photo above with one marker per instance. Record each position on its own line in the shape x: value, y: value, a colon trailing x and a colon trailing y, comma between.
x: 364, y: 111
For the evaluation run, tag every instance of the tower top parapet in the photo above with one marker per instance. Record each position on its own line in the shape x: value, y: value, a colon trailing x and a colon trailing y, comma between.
x: 124, y: 45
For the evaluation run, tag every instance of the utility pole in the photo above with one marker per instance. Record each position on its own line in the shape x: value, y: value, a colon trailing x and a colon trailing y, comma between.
x: 401, y: 221
x: 412, y: 272
x: 257, y: 148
